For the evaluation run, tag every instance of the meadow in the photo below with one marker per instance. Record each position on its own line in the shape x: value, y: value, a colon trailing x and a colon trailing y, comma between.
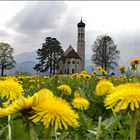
x: 75, y: 107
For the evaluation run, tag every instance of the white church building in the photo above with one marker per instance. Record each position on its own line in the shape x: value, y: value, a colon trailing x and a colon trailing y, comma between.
x: 72, y: 61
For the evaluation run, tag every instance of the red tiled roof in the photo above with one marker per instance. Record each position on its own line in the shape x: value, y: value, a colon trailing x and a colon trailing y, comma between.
x: 73, y: 54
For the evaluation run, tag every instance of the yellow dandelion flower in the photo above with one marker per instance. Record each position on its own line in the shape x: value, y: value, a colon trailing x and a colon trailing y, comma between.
x: 5, y: 104
x: 65, y: 89
x: 125, y: 96
x: 76, y: 94
x: 94, y: 73
x: 104, y: 87
x: 83, y: 72
x: 19, y: 105
x: 134, y: 62
x: 80, y: 103
x: 99, y: 68
x: 122, y: 69
x: 103, y: 72
x: 41, y: 95
x: 10, y: 89
x: 56, y: 113
x: 25, y: 104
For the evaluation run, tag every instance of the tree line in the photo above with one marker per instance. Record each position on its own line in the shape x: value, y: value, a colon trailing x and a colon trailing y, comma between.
x: 104, y: 54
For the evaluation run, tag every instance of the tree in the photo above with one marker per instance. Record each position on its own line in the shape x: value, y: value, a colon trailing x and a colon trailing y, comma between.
x: 6, y: 57
x: 105, y: 53
x: 49, y: 55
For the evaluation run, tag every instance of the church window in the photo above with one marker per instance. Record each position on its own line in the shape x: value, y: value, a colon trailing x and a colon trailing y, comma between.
x: 67, y: 71
x: 73, y: 62
x: 68, y: 62
x: 78, y: 62
x: 72, y: 71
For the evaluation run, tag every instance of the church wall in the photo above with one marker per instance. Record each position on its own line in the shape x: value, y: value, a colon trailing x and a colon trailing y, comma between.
x: 71, y: 65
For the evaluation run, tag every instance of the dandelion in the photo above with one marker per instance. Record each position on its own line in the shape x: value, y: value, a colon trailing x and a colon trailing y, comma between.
x: 99, y: 68
x: 76, y: 94
x: 41, y: 96
x: 19, y: 105
x: 80, y: 103
x: 104, y: 87
x: 65, y: 89
x: 55, y: 113
x: 103, y: 71
x: 124, y: 96
x: 134, y: 62
x: 94, y: 73
x: 10, y: 89
x: 122, y: 69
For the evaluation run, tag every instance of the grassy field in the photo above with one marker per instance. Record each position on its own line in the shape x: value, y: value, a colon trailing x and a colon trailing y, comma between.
x: 76, y: 107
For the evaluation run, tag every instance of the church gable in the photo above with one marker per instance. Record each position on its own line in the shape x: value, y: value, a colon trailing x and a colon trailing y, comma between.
x: 73, y: 54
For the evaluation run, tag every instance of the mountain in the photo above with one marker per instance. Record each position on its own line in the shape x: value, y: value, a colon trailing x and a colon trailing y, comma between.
x: 27, y: 60
x: 26, y: 56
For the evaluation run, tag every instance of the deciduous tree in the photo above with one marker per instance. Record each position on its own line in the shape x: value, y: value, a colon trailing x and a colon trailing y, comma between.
x: 105, y: 52
x: 6, y: 57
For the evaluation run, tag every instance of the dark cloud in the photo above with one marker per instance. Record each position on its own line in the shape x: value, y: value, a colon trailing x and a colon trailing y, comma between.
x: 36, y: 16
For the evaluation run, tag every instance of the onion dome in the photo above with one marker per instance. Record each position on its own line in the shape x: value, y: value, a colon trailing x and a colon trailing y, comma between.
x: 81, y: 24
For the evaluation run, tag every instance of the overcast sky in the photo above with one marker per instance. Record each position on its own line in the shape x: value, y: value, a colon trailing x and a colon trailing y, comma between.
x: 26, y: 24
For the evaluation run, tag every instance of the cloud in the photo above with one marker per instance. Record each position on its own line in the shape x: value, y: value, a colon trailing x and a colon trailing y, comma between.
x: 40, y: 19
x: 37, y: 16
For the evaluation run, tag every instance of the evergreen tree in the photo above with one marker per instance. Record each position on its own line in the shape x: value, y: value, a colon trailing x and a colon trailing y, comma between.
x: 49, y: 56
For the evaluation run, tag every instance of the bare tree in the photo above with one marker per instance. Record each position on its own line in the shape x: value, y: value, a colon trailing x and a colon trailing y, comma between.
x: 105, y: 53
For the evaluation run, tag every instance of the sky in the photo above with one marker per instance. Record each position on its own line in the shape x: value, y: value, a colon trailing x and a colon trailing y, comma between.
x: 26, y: 24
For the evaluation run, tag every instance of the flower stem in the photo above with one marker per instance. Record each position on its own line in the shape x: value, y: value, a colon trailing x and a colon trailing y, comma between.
x: 31, y: 131
x: 55, y: 134
x: 133, y: 125
x: 9, y: 128
x: 99, y: 128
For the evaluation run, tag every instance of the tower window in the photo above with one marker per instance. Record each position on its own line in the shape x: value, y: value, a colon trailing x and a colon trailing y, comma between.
x: 79, y: 34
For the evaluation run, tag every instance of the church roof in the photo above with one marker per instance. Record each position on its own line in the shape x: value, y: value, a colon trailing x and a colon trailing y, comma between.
x: 73, y: 54
x: 68, y: 50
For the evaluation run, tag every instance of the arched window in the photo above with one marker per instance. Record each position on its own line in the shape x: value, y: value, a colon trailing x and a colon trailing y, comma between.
x: 73, y: 62
x: 72, y: 71
x: 68, y: 62
x: 67, y: 71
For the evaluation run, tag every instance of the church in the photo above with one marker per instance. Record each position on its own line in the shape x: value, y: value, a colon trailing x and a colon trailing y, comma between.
x: 72, y: 61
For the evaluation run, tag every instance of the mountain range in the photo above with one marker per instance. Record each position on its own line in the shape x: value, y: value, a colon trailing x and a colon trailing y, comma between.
x: 26, y: 61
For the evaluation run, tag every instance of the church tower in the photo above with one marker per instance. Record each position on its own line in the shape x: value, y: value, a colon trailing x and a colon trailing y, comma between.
x: 81, y: 42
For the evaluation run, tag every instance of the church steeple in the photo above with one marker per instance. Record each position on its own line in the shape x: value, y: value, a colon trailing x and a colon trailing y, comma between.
x: 81, y: 42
